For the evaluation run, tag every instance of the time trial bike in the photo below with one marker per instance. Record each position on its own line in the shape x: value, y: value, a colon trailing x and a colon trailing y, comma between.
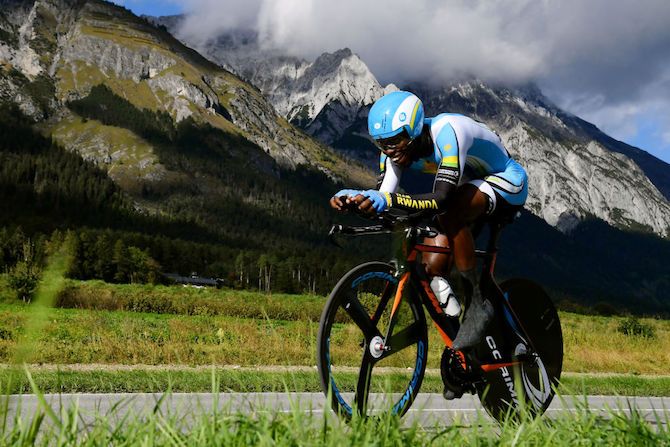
x: 372, y: 344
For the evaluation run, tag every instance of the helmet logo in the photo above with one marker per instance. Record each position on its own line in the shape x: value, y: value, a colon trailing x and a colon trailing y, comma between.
x: 378, y: 126
x: 403, y: 117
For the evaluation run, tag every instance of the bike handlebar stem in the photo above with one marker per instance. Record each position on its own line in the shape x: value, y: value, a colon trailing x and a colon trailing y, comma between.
x: 388, y: 223
x: 408, y: 232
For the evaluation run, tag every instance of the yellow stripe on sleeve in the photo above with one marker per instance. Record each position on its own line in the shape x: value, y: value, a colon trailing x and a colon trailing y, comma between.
x: 450, y: 161
x: 389, y: 202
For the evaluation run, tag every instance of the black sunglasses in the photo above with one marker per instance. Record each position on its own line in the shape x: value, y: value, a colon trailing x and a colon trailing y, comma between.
x: 394, y: 141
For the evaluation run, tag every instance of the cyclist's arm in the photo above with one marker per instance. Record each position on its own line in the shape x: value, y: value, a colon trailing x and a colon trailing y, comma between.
x: 446, y: 181
x: 389, y: 175
x: 446, y: 178
x: 380, y: 200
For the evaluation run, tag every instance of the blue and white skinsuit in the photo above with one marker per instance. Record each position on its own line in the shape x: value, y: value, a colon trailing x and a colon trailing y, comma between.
x: 464, y: 151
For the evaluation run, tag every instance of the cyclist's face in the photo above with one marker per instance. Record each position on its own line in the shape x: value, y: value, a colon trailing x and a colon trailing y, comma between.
x: 397, y: 149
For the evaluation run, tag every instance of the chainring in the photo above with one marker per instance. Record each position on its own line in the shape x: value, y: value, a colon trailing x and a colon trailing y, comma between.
x: 455, y: 375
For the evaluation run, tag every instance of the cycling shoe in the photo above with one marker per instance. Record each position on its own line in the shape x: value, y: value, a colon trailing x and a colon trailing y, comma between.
x: 471, y: 332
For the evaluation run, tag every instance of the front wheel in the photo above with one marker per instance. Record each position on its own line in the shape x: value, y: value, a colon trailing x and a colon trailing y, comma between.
x: 353, y: 356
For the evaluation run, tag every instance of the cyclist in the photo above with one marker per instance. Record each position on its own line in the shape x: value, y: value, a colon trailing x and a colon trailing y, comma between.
x: 453, y: 165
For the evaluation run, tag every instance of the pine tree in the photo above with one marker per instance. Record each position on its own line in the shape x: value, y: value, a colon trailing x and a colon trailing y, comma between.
x: 121, y: 261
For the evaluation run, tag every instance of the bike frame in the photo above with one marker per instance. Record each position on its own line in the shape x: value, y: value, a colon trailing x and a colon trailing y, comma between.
x: 407, y: 249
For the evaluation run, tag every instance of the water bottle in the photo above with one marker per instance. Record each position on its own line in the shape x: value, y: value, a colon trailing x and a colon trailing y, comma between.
x: 445, y: 296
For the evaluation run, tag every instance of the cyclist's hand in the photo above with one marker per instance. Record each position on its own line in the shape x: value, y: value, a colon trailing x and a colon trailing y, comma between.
x: 362, y: 204
x: 372, y: 202
x: 343, y: 199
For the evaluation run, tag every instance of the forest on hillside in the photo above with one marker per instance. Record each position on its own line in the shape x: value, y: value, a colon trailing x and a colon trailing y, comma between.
x: 52, y: 196
x: 260, y: 227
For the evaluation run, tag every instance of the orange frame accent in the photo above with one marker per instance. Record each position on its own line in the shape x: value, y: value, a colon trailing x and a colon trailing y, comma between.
x: 493, y: 263
x: 399, y: 292
x: 493, y: 366
x: 445, y: 338
x: 432, y: 248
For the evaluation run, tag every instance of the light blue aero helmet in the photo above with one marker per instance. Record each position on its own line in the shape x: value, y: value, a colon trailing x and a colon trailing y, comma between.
x: 395, y: 112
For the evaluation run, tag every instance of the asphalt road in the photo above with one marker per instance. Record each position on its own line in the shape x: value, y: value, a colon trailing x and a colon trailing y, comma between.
x: 428, y: 409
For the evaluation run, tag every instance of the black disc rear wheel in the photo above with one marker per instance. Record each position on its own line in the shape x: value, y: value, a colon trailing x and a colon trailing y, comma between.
x: 535, y: 340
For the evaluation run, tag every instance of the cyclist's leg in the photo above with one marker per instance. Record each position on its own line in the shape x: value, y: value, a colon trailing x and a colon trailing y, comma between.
x: 510, y: 185
x: 503, y: 191
x: 471, y: 201
x: 465, y: 206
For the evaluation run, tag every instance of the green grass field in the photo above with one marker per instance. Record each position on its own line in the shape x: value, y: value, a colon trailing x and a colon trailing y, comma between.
x: 158, y: 339
x: 158, y: 299
x: 171, y: 328
x: 592, y: 344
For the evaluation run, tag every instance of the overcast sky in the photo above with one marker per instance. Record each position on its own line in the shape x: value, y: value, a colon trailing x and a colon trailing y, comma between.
x: 605, y: 61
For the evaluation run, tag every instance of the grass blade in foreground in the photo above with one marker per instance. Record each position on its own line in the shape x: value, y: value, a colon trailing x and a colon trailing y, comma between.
x: 300, y: 427
x: 159, y: 380
x: 52, y: 281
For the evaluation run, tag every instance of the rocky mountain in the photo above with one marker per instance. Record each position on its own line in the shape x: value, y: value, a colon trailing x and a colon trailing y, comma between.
x: 55, y: 51
x: 576, y: 171
x: 324, y: 97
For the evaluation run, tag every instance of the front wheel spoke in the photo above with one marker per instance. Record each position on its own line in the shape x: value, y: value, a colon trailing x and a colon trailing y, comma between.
x: 363, y: 385
x: 357, y: 312
x: 401, y: 340
x: 386, y: 295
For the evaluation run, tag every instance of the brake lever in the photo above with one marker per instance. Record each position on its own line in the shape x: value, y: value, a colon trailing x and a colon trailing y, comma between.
x: 331, y: 235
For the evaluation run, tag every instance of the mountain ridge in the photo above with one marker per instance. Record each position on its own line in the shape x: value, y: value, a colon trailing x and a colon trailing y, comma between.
x: 628, y: 192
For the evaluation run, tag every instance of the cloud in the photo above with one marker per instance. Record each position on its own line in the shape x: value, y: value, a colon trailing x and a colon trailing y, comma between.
x: 514, y: 40
x: 605, y: 59
x: 638, y: 114
x: 618, y: 120
x: 400, y: 40
x: 206, y: 19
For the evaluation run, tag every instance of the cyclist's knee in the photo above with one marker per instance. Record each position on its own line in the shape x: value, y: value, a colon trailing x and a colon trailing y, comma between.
x: 437, y: 264
x: 464, y: 208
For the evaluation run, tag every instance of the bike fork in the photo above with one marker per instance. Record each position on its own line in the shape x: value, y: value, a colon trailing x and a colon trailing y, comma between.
x: 381, y: 345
